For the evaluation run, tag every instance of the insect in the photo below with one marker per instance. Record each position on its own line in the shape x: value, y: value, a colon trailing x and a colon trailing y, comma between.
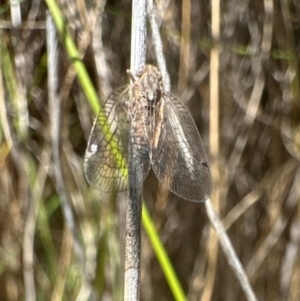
x: 143, y: 123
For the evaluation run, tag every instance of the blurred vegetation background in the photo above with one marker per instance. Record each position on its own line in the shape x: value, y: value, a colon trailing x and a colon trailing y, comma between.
x: 62, y: 240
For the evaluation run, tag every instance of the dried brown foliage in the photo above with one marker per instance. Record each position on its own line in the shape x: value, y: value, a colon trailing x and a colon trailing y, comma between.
x: 258, y: 158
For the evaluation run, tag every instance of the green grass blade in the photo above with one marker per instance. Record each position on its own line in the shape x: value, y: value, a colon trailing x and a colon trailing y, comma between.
x: 162, y: 257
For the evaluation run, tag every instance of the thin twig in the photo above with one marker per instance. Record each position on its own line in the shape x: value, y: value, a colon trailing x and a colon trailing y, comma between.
x: 276, y: 231
x: 55, y: 112
x: 215, y: 150
x: 229, y: 252
x: 28, y: 249
x: 15, y: 12
x: 214, y: 145
x: 185, y: 41
x: 138, y: 35
x: 102, y: 67
x: 30, y: 225
x: 257, y: 91
x: 156, y: 38
x: 133, y: 214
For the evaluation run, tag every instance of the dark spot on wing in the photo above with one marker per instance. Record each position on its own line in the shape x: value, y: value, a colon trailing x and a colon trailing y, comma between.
x: 204, y: 163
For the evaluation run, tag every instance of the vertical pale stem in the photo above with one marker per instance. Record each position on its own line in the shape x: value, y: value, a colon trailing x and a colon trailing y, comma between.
x: 55, y: 119
x: 133, y: 231
x: 215, y: 149
x: 138, y: 35
x: 214, y: 145
x: 158, y: 46
x: 184, y: 45
x: 133, y: 214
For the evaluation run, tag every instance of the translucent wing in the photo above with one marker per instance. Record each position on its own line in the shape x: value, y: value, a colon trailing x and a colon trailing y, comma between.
x: 178, y: 158
x: 121, y: 144
x: 104, y: 168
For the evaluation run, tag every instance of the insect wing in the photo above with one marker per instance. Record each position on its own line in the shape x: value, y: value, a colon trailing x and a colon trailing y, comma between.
x: 179, y: 160
x: 105, y: 163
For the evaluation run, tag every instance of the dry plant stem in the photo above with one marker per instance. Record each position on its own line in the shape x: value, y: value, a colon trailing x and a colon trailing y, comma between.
x: 55, y: 112
x: 290, y: 125
x: 28, y: 252
x: 291, y: 73
x: 84, y: 40
x: 214, y: 149
x: 156, y: 38
x: 229, y: 252
x: 64, y: 263
x: 134, y: 203
x: 240, y: 209
x: 24, y: 25
x: 184, y: 45
x: 253, y: 106
x: 80, y: 207
x: 103, y: 71
x: 138, y: 35
x: 197, y: 281
x: 15, y: 12
x: 276, y: 231
x: 20, y: 97
x: 133, y: 232
x: 84, y: 37
x: 30, y: 197
x: 29, y: 229
x: 3, y: 116
x: 289, y: 264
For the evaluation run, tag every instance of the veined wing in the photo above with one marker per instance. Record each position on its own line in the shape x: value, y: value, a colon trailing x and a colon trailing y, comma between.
x: 105, y: 162
x: 179, y: 160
